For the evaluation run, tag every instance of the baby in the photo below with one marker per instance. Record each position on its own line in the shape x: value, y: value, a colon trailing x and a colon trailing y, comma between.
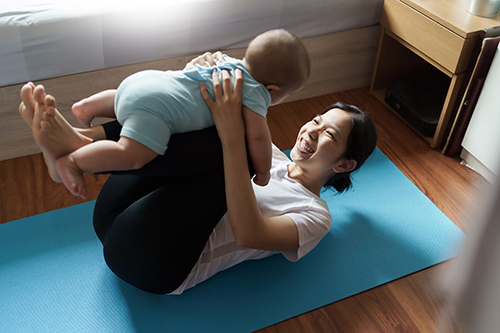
x: 152, y: 105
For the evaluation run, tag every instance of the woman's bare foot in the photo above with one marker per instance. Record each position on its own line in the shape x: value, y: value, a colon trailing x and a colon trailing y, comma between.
x: 71, y: 176
x: 27, y: 106
x: 27, y: 110
x: 53, y: 134
x: 83, y: 113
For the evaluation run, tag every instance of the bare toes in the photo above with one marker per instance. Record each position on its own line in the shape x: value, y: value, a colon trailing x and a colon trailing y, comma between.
x: 23, y: 110
x: 50, y: 101
x: 51, y: 111
x: 46, y: 116
x: 73, y: 189
x: 28, y: 103
x: 27, y: 92
x: 83, y: 193
x: 39, y: 94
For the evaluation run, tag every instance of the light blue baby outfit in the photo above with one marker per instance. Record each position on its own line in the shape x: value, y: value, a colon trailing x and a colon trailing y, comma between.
x: 152, y: 105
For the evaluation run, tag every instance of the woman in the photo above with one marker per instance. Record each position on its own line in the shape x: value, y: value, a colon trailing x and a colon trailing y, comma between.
x: 164, y: 228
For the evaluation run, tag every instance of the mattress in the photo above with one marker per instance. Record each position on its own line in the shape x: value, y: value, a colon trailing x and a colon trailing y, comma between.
x: 46, y: 39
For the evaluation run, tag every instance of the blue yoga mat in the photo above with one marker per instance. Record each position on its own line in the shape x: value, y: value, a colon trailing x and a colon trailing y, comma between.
x: 53, y: 277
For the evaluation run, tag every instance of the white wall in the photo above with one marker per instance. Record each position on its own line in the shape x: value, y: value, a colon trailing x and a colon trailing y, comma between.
x: 482, y: 140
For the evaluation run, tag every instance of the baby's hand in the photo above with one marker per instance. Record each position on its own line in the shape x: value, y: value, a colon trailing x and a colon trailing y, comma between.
x: 207, y: 59
x: 262, y: 179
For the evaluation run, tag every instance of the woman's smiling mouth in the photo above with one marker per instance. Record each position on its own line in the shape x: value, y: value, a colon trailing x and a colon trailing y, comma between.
x: 305, y: 146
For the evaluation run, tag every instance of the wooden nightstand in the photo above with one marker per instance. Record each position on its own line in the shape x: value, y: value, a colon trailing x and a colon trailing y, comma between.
x: 420, y: 36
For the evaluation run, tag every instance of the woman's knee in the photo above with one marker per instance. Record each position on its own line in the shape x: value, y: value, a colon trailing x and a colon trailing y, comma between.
x: 139, y: 271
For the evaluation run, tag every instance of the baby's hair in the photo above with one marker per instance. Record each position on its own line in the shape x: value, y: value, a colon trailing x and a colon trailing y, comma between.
x: 278, y: 57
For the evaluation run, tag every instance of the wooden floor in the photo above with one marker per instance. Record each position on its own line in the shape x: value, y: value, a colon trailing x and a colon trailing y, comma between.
x: 409, y: 304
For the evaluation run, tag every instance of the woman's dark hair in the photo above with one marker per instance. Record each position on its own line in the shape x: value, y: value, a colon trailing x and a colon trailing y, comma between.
x: 360, y: 144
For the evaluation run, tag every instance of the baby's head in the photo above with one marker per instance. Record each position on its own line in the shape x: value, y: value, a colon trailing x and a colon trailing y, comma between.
x: 279, y: 60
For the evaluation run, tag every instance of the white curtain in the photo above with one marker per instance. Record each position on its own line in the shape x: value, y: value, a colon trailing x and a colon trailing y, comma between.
x: 473, y: 282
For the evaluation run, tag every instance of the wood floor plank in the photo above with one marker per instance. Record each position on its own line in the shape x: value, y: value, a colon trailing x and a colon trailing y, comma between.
x: 409, y: 304
x: 28, y: 190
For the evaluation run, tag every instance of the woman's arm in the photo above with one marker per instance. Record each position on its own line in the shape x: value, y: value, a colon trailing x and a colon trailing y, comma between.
x: 250, y: 228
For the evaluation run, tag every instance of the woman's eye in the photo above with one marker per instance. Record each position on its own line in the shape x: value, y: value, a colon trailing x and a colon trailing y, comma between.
x: 316, y: 121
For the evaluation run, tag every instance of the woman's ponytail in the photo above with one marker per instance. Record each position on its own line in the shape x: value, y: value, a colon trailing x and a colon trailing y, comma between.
x: 340, y: 182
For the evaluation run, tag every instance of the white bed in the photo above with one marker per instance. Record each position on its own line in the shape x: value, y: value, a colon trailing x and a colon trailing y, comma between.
x: 41, y: 40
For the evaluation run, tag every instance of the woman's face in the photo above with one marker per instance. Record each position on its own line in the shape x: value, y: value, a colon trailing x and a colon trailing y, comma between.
x: 322, y: 142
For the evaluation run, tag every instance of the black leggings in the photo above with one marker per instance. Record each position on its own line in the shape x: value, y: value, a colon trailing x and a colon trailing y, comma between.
x: 154, y: 222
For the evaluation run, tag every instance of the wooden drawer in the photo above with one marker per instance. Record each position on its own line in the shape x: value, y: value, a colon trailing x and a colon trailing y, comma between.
x: 431, y: 38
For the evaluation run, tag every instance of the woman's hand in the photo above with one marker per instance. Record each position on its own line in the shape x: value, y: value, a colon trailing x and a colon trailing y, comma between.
x: 226, y: 109
x: 207, y: 59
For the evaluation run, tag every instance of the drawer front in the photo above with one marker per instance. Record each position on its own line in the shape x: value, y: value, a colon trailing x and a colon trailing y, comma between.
x: 429, y: 37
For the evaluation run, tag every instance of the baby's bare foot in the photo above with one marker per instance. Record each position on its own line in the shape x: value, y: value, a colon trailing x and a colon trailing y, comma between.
x: 71, y: 176
x: 82, y: 112
x: 53, y: 134
x: 101, y: 104
x: 27, y: 106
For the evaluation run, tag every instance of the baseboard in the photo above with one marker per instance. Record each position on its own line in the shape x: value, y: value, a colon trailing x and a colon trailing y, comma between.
x: 473, y: 163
